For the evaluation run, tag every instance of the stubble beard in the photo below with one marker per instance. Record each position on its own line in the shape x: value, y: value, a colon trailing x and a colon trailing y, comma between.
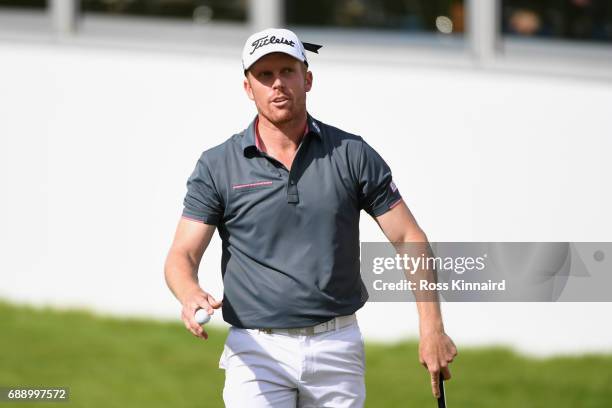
x: 280, y: 117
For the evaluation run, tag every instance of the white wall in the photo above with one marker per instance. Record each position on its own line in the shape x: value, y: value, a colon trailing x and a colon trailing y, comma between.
x: 96, y: 145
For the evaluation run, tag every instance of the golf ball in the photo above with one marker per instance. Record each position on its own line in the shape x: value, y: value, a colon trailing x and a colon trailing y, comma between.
x: 201, y: 317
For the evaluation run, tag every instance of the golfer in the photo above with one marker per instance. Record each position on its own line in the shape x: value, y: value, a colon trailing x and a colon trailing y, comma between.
x: 285, y: 195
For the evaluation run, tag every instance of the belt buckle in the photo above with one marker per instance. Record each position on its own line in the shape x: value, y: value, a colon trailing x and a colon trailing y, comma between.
x: 325, y: 326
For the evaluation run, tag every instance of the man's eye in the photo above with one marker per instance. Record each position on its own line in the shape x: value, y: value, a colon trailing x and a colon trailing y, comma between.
x: 288, y: 70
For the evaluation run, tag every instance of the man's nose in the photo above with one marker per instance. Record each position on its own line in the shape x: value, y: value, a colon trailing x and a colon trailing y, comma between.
x: 278, y: 82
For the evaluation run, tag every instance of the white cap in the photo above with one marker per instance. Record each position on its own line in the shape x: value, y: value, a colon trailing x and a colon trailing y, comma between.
x: 274, y: 40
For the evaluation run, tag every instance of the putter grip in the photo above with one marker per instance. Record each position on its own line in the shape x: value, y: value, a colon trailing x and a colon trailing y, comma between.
x: 442, y: 398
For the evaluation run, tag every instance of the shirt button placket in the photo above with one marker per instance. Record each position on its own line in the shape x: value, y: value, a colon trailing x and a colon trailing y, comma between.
x: 292, y: 192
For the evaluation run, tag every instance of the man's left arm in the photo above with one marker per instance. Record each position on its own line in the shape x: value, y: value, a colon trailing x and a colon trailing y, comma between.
x: 436, y: 349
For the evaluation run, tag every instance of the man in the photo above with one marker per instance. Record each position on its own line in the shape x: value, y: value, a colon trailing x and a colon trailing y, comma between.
x: 286, y: 194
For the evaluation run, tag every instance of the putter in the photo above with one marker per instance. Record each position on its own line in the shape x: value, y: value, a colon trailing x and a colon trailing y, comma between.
x: 442, y: 398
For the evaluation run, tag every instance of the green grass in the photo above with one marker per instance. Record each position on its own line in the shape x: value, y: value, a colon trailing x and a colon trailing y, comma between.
x: 108, y: 362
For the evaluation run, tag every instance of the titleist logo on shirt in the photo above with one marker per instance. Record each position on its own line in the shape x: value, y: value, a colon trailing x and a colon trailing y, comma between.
x: 263, y: 41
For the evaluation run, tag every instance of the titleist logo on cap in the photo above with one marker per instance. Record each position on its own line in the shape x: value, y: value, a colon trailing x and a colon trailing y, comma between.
x: 260, y: 42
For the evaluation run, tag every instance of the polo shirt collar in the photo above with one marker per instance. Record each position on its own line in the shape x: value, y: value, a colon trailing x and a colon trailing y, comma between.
x: 248, y: 139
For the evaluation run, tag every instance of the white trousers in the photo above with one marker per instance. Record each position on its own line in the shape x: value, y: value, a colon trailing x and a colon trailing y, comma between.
x: 289, y: 371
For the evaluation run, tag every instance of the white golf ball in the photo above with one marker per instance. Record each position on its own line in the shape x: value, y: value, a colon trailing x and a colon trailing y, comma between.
x: 201, y: 317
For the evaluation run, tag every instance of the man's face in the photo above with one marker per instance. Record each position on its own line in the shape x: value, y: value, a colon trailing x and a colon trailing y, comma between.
x: 278, y: 83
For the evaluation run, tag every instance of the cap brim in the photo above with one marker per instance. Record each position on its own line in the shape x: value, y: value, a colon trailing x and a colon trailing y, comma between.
x: 272, y: 52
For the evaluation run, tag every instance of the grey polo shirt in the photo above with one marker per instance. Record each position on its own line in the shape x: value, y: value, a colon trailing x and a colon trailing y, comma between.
x: 290, y: 238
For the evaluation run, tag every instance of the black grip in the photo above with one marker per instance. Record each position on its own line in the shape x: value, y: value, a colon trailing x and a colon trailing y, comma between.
x: 442, y: 398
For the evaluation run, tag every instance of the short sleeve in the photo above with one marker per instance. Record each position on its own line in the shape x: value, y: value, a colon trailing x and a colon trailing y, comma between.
x: 377, y: 191
x: 202, y: 201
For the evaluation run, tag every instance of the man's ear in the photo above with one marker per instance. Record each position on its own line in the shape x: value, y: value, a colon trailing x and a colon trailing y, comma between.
x: 308, y: 81
x: 248, y: 89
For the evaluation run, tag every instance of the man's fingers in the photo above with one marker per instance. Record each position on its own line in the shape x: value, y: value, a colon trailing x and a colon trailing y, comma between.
x: 204, y: 304
x: 185, y: 322
x: 423, y: 363
x: 452, y: 352
x: 198, y: 331
x: 446, y: 373
x: 191, y: 324
x: 214, y: 302
x: 195, y: 329
x: 203, y: 334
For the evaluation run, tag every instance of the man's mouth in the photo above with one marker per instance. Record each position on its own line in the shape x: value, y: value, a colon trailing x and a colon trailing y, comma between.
x: 281, y: 102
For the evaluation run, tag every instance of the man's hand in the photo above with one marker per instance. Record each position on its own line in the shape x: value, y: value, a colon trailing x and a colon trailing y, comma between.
x: 195, y: 300
x: 436, y: 352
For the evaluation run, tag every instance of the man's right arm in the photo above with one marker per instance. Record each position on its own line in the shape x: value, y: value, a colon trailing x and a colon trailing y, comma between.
x: 181, y: 271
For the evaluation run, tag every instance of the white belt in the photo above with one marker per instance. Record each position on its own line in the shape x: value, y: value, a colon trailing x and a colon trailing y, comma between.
x: 334, y: 324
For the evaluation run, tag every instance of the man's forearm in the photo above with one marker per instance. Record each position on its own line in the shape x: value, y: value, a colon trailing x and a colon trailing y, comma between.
x: 430, y: 317
x: 428, y: 305
x: 181, y: 275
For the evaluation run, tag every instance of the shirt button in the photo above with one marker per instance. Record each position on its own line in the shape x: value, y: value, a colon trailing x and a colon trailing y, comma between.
x: 292, y: 182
